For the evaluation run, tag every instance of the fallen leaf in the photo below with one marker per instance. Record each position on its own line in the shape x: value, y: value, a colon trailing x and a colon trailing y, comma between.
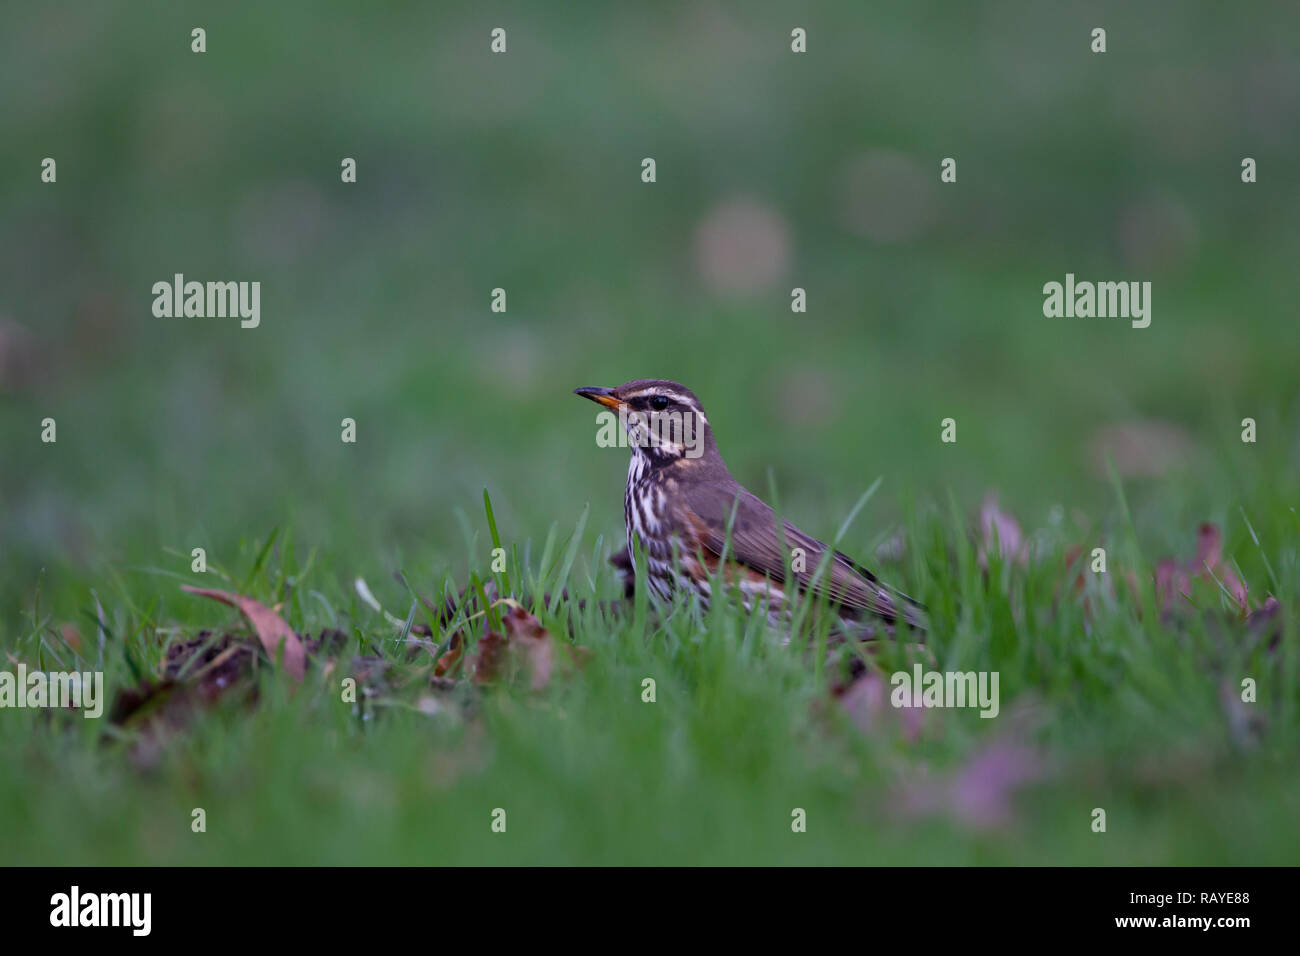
x: 1174, y: 578
x: 271, y: 629
x: 214, y: 665
x: 1000, y: 532
x: 450, y: 657
x: 526, y: 633
x: 526, y: 646
x: 489, y: 658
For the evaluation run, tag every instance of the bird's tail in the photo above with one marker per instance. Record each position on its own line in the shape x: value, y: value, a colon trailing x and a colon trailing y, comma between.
x: 912, y: 612
x: 906, y: 610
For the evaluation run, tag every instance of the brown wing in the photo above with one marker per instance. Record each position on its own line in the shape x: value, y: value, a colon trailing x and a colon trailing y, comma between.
x: 756, y: 543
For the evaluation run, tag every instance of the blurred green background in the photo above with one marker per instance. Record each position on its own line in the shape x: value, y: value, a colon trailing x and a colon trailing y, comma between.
x: 522, y: 171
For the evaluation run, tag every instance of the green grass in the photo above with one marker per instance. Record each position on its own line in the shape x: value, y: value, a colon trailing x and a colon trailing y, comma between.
x: 1117, y: 712
x: 521, y: 172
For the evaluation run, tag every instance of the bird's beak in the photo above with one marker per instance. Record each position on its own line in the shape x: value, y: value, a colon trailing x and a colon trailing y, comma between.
x: 602, y: 396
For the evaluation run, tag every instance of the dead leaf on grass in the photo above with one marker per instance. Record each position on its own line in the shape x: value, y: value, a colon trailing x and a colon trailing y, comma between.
x: 215, y: 665
x: 524, y: 650
x: 271, y: 629
x: 1174, y: 578
x: 1000, y: 532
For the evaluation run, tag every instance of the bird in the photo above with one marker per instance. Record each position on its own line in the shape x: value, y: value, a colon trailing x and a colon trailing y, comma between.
x: 697, y: 526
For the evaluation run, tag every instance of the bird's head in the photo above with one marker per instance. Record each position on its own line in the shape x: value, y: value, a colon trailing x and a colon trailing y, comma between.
x: 662, y: 420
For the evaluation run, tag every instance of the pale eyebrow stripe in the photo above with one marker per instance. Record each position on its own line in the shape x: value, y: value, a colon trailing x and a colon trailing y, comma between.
x: 675, y: 396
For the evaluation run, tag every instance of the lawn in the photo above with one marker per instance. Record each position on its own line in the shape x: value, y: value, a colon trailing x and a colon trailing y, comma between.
x: 522, y: 171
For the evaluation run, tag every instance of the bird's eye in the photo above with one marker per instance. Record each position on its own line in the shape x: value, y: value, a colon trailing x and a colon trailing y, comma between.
x: 659, y: 402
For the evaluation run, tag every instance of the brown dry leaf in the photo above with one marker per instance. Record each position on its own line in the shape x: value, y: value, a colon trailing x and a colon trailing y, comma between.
x: 527, y: 633
x: 525, y: 646
x: 214, y: 664
x: 1000, y: 531
x: 1174, y: 578
x: 196, y: 673
x: 522, y: 644
x: 270, y: 627
x: 489, y: 658
x: 1209, y: 559
x: 450, y: 657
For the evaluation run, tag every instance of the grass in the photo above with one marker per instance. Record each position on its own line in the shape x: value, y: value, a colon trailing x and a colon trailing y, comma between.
x: 1117, y: 712
x: 522, y: 172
